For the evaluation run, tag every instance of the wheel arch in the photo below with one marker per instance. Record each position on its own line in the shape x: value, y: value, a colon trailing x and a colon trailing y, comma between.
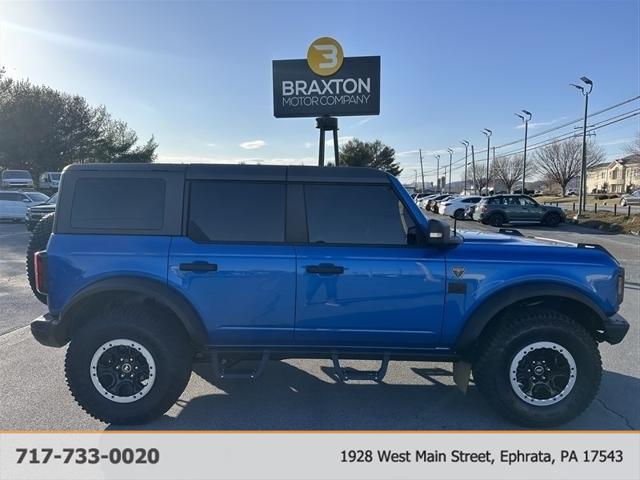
x: 127, y: 289
x: 563, y: 298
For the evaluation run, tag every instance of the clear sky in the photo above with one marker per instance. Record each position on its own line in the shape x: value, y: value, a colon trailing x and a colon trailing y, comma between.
x: 198, y: 75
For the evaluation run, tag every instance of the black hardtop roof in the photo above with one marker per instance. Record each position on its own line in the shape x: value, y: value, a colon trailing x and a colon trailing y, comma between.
x: 197, y: 171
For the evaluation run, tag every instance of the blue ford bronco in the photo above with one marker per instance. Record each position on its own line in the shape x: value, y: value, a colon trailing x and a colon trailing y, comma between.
x: 150, y: 268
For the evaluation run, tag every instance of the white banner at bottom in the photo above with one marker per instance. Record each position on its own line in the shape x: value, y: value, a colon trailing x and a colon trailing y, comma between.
x: 320, y: 455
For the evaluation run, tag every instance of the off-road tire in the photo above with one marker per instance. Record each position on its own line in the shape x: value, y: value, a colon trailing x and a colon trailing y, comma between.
x: 165, y: 340
x: 37, y: 242
x: 496, y: 220
x: 496, y: 352
x: 551, y: 220
x: 459, y: 214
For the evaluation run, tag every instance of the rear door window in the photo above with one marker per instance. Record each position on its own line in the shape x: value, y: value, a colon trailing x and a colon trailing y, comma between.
x: 237, y: 211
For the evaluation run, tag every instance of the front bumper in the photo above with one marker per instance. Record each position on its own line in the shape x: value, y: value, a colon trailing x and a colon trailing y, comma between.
x: 48, y: 331
x: 614, y: 330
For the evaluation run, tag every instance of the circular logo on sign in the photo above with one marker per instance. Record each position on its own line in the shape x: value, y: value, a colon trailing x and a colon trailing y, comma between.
x: 325, y: 56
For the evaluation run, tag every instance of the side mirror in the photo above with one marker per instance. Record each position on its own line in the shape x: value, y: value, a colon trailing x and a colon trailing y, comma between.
x: 26, y: 200
x: 439, y: 233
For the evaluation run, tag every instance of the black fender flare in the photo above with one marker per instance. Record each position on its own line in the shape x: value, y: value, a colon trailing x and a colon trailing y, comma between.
x: 508, y: 296
x: 159, y: 292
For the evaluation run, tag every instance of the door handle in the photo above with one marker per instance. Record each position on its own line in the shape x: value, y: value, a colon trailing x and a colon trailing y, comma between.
x: 199, y: 267
x: 325, y: 269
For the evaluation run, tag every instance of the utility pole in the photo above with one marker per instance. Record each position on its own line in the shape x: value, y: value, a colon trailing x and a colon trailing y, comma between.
x: 494, y: 165
x: 473, y: 166
x: 466, y: 155
x: 488, y: 133
x: 524, y: 156
x: 445, y: 176
x: 421, y: 170
x: 450, y: 161
x: 583, y: 171
x: 438, y: 174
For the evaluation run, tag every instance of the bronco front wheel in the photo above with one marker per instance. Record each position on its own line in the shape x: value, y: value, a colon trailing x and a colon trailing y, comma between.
x: 128, y: 365
x: 539, y: 368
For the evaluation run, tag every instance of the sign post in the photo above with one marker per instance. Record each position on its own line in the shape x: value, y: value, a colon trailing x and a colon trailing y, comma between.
x: 326, y: 85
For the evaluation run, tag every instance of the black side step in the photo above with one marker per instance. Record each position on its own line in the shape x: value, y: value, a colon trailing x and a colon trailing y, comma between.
x: 346, y: 374
x: 221, y: 371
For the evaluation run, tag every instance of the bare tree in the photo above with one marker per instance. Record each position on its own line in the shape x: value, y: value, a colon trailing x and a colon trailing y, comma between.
x: 477, y: 176
x: 508, y: 170
x: 561, y: 161
x: 633, y: 148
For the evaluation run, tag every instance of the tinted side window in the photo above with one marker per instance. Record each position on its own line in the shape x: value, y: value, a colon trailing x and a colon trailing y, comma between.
x: 118, y: 203
x: 237, y: 212
x: 356, y: 214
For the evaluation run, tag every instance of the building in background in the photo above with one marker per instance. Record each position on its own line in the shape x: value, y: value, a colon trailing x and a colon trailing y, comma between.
x: 620, y: 176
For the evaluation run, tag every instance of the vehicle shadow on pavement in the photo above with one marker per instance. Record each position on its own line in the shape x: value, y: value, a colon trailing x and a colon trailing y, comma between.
x: 289, y: 398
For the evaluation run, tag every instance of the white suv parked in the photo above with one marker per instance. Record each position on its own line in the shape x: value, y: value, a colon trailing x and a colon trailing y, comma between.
x: 455, y: 207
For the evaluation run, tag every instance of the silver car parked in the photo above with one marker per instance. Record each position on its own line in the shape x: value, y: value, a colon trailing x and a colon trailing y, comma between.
x: 630, y: 199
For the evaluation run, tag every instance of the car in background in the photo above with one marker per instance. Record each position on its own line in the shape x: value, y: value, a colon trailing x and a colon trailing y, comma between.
x: 18, y: 179
x: 520, y: 192
x: 455, y: 207
x: 429, y: 205
x: 419, y: 196
x: 35, y: 213
x: 422, y: 203
x: 14, y: 205
x: 630, y: 199
x: 436, y: 205
x: 500, y: 209
x: 49, y: 181
x: 571, y: 193
x: 468, y: 212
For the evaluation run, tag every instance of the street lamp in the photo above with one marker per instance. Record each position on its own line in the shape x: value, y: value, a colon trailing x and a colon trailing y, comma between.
x: 450, y: 161
x: 421, y: 170
x: 488, y: 133
x: 524, y: 157
x: 438, y: 174
x: 583, y: 171
x: 466, y: 152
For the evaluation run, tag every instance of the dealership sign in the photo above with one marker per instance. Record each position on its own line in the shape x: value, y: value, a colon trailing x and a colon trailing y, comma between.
x: 326, y: 83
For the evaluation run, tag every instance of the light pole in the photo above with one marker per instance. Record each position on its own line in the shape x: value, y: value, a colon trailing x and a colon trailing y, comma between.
x: 473, y: 169
x: 488, y: 133
x: 583, y: 171
x: 421, y: 170
x: 450, y: 161
x: 466, y: 154
x: 524, y: 156
x: 438, y: 174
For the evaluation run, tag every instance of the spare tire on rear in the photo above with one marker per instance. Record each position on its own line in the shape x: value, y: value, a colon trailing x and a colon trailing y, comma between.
x: 39, y: 239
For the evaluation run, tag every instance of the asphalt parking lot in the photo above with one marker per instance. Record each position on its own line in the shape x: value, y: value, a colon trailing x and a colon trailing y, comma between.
x: 301, y: 394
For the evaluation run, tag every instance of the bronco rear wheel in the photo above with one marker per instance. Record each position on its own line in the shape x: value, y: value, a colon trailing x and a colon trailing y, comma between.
x: 539, y: 368
x: 37, y: 242
x: 128, y: 365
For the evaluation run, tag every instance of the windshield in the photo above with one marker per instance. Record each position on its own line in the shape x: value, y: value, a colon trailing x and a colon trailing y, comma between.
x: 16, y: 174
x: 55, y: 176
x: 52, y: 199
x: 37, y: 197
